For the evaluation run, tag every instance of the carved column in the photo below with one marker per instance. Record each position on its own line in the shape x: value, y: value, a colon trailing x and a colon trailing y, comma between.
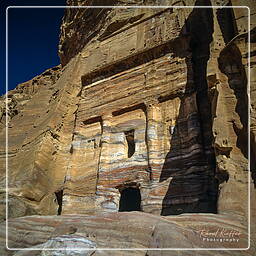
x: 105, y: 194
x: 153, y: 139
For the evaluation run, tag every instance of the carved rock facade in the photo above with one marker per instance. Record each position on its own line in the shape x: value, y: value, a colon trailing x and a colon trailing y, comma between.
x: 150, y: 105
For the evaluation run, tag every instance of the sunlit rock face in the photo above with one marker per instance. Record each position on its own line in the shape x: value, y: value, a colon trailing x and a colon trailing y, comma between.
x: 154, y: 133
x: 160, y: 75
x: 148, y: 111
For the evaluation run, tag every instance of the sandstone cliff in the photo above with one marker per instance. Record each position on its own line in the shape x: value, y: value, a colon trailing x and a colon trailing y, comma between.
x: 149, y: 105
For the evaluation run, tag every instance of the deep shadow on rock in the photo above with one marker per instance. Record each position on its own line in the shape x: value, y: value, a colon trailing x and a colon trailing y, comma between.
x: 191, y: 159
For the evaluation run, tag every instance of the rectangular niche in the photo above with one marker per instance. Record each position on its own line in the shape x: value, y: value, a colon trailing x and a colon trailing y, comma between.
x: 129, y: 135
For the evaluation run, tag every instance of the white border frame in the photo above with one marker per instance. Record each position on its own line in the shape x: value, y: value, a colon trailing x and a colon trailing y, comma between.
x: 132, y: 249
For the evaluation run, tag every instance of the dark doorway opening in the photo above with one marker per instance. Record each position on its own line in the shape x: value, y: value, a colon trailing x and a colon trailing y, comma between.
x: 130, y: 200
x: 59, y: 196
x: 129, y: 135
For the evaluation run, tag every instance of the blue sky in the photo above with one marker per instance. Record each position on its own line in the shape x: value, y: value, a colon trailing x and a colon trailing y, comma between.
x: 33, y: 37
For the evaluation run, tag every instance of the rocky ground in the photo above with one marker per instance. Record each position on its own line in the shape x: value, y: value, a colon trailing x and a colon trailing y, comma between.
x: 138, y: 232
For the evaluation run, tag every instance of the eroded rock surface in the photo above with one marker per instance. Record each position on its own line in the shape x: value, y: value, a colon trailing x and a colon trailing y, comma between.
x: 126, y: 230
x: 148, y: 106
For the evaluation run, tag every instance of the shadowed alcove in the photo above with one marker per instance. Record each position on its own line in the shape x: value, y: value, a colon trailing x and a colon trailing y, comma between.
x: 59, y: 197
x: 130, y: 200
x: 129, y: 135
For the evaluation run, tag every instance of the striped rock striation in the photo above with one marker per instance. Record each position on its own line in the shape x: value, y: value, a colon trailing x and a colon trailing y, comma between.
x: 148, y: 111
x: 125, y: 230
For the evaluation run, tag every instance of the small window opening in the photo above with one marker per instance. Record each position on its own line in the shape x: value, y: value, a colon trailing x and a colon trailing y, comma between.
x: 91, y: 143
x: 129, y: 135
x: 59, y: 196
x: 130, y: 200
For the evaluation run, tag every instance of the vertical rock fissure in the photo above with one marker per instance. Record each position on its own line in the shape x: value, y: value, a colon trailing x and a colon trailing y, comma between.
x: 59, y: 197
x: 100, y: 145
x: 147, y: 143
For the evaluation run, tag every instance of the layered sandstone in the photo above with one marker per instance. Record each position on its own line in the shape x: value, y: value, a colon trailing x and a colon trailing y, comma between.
x: 153, y: 101
x: 125, y: 230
